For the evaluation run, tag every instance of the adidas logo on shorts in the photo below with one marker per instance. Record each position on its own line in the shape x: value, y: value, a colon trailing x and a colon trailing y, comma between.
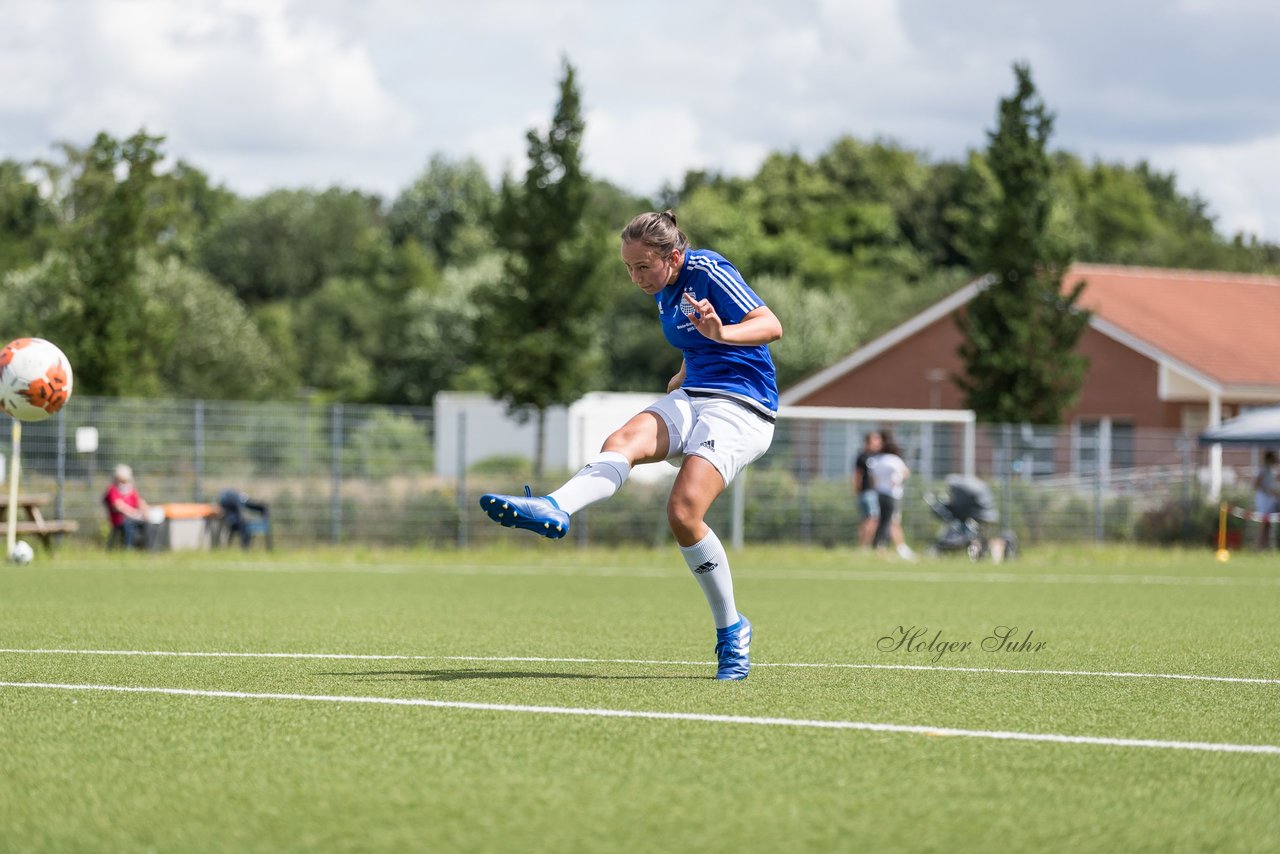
x: 710, y: 445
x: 706, y: 567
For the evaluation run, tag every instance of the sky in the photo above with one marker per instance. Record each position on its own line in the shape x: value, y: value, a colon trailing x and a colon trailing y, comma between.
x: 262, y: 94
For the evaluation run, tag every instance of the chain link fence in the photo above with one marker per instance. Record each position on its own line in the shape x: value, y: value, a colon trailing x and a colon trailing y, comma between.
x: 367, y: 474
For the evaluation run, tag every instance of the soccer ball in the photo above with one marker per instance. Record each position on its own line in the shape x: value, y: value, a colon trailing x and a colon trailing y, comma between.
x: 35, y: 379
x: 22, y: 552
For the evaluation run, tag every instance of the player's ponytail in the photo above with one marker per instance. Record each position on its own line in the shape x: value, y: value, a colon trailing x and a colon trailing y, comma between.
x: 658, y: 231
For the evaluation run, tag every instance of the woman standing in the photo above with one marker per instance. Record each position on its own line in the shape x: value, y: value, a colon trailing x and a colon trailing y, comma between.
x: 889, y: 473
x: 718, y: 415
x: 1266, y: 497
x: 865, y: 489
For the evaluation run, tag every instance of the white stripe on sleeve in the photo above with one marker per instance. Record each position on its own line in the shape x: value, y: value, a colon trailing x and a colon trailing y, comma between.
x: 734, y: 289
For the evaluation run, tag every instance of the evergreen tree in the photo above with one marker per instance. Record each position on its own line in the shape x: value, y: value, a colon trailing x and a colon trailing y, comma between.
x: 539, y: 326
x: 1021, y: 330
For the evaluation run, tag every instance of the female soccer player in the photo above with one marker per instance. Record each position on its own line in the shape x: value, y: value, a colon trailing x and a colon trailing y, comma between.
x: 718, y: 414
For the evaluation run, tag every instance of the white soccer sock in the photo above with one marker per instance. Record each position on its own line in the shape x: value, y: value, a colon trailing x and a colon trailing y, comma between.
x: 710, y: 566
x: 598, y: 479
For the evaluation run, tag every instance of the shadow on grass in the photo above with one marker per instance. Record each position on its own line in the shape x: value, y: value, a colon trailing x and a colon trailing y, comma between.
x: 480, y: 673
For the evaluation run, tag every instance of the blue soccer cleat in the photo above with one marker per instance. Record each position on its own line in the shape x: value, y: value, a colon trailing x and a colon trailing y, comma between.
x: 533, y: 513
x: 733, y: 650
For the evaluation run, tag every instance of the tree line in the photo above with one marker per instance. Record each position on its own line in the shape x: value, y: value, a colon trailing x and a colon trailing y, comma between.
x: 159, y: 281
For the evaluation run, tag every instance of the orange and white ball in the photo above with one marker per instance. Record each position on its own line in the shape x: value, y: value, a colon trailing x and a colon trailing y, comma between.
x: 35, y: 379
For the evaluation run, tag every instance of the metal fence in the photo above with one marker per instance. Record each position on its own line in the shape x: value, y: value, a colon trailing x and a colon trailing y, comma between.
x: 365, y: 474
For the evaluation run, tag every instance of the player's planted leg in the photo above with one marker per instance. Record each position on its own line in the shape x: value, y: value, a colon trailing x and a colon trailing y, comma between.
x: 696, y: 487
x: 710, y: 567
x: 733, y: 650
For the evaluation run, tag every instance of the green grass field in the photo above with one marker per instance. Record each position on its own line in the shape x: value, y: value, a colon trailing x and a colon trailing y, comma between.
x: 488, y: 649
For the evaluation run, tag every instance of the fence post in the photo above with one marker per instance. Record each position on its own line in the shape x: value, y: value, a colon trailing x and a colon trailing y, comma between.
x: 737, y: 525
x: 1098, y: 525
x: 61, y: 466
x: 802, y: 496
x: 582, y: 521
x: 91, y: 470
x: 1006, y: 449
x: 463, y: 533
x: 335, y: 473
x: 1102, y: 450
x: 970, y: 447
x: 197, y: 417
x: 926, y: 451
x: 1185, y: 446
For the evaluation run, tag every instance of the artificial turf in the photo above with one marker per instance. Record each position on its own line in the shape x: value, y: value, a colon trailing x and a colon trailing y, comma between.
x: 98, y: 770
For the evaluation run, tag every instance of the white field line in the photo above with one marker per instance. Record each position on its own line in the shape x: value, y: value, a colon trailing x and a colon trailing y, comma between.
x: 1210, y: 747
x: 942, y: 577
x: 533, y: 570
x: 1109, y: 674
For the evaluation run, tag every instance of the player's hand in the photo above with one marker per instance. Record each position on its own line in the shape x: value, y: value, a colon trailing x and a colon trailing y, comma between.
x: 704, y: 318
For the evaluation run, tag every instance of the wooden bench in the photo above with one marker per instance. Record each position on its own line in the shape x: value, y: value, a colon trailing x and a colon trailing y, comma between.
x: 35, y: 523
x: 45, y: 530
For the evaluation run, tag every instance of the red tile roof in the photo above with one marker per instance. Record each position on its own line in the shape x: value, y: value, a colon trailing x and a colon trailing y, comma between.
x: 1225, y: 325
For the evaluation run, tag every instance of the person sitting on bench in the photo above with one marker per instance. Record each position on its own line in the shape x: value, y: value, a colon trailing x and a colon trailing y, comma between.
x: 126, y: 509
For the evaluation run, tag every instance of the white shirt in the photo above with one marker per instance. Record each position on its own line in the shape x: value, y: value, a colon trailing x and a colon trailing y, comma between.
x: 888, y: 473
x: 1267, y: 481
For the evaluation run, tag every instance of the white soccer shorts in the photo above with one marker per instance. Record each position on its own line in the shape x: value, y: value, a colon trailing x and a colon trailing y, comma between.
x: 724, y: 433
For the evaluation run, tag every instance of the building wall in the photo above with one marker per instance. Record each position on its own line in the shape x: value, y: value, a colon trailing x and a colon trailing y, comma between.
x: 1121, y: 384
x: 899, y: 377
x: 916, y: 373
x: 471, y: 427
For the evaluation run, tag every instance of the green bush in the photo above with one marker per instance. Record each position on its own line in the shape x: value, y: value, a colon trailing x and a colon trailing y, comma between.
x: 1118, y: 520
x: 509, y: 465
x: 386, y: 444
x: 637, y: 514
x: 772, y: 512
x: 429, y: 518
x: 1176, y: 523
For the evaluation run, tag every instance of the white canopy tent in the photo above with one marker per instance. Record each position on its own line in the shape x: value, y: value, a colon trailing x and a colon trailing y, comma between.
x: 1257, y: 427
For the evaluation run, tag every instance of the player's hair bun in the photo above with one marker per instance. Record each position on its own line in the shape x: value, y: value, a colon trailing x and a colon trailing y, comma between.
x: 658, y: 231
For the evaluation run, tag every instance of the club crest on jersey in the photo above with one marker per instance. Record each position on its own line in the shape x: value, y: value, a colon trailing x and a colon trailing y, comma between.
x: 685, y: 307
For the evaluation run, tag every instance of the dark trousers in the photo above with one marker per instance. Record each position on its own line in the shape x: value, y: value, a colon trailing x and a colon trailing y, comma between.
x: 888, y: 507
x: 128, y: 534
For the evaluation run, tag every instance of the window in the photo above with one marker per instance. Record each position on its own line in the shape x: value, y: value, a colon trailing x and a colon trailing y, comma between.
x: 1091, y: 434
x: 1029, y: 448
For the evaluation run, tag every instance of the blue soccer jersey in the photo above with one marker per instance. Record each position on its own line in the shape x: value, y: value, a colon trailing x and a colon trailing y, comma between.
x: 744, y: 372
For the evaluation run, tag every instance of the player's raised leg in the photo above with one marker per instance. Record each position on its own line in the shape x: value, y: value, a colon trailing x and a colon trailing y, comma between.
x: 643, y: 439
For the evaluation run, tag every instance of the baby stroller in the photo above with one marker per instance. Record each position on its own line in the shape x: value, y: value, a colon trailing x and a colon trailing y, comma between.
x: 970, y: 507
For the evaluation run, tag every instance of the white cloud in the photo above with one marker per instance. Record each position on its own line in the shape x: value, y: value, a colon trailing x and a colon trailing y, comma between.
x: 1245, y: 177
x: 657, y: 146
x: 229, y: 81
x: 872, y: 30
x: 649, y: 145
x: 264, y: 93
